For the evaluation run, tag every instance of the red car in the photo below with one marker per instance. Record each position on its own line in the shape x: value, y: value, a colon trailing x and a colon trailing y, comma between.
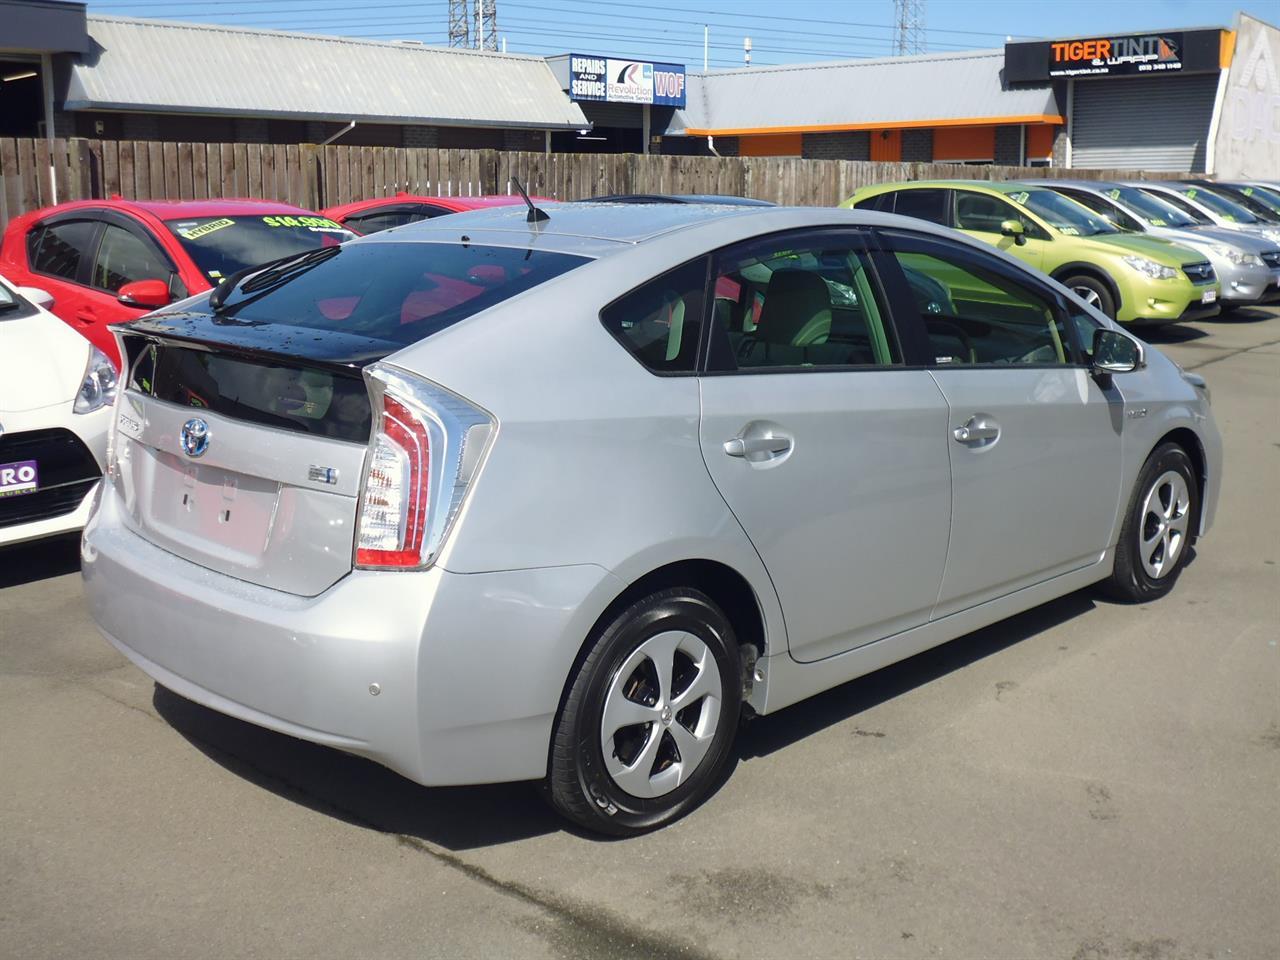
x: 382, y: 213
x: 107, y: 261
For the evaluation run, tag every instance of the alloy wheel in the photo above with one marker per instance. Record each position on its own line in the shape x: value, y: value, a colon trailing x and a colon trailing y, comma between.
x: 1162, y: 532
x: 660, y: 714
x: 1088, y: 295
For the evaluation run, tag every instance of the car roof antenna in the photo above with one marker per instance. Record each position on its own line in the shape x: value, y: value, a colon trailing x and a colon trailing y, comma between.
x: 535, y: 215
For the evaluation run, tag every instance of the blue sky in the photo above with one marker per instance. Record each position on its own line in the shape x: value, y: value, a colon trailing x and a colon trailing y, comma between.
x: 781, y: 31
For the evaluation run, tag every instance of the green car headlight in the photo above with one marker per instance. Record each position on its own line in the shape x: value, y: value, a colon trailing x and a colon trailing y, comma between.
x: 1156, y: 271
x: 1240, y: 258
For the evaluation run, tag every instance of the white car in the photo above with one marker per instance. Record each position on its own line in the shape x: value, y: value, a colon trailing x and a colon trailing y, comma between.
x: 56, y: 391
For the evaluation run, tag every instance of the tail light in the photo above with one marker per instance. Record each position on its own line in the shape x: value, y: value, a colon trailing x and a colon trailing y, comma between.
x: 425, y: 449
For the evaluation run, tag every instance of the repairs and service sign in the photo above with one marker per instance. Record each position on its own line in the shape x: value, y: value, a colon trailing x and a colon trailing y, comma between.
x: 626, y: 81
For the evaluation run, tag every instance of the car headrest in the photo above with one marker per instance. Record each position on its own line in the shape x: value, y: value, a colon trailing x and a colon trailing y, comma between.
x: 793, y: 300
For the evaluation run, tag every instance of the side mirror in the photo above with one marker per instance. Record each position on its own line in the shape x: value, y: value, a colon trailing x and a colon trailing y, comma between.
x: 1013, y: 228
x: 41, y: 298
x: 147, y: 294
x: 1113, y: 352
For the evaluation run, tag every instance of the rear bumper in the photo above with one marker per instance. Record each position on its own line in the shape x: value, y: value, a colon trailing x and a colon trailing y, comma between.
x: 469, y: 668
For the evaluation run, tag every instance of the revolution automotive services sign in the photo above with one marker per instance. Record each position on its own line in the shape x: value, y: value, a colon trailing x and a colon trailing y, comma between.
x: 1141, y: 54
x: 626, y: 81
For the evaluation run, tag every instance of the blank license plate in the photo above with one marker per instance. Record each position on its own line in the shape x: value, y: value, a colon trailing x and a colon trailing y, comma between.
x: 21, y: 476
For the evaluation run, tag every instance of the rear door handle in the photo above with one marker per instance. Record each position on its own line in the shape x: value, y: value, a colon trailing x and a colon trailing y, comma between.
x: 977, y: 429
x: 757, y: 448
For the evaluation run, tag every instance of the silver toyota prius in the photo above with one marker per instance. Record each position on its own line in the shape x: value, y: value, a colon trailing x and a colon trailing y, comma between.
x: 559, y: 494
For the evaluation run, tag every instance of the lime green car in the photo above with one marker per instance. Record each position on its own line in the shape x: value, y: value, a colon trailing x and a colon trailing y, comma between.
x: 1130, y: 277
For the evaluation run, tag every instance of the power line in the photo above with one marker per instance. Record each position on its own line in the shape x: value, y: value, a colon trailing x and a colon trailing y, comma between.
x: 760, y: 16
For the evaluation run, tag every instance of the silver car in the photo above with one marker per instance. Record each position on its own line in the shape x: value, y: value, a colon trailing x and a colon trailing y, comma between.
x: 1209, y: 207
x: 496, y: 497
x: 1247, y: 266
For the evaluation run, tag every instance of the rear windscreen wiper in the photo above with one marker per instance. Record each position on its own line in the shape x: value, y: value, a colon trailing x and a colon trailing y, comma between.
x: 267, y: 276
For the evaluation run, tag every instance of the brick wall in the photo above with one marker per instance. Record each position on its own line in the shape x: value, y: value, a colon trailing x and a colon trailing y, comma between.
x: 252, y: 130
x: 854, y: 145
x: 917, y: 146
x: 523, y: 140
x: 419, y: 136
x: 1009, y: 145
x: 1060, y: 147
x: 140, y: 126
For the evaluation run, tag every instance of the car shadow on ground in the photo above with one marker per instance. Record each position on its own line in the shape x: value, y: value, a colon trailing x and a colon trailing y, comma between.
x: 1169, y: 333
x: 364, y: 793
x: 39, y: 560
x: 764, y: 735
x: 1245, y: 315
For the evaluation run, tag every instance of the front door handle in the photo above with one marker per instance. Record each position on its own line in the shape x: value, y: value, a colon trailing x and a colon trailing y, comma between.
x: 757, y: 448
x: 977, y: 429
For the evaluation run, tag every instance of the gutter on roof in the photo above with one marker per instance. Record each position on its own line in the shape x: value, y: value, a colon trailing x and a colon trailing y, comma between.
x: 1046, y: 118
x: 398, y: 120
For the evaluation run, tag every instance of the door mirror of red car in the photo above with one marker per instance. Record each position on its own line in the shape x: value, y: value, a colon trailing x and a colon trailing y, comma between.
x: 144, y: 293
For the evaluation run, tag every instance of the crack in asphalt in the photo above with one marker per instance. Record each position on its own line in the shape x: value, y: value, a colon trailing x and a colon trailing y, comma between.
x: 606, y: 934
x: 1232, y: 353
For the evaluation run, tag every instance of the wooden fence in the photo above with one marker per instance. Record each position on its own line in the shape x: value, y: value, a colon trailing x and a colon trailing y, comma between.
x: 314, y: 177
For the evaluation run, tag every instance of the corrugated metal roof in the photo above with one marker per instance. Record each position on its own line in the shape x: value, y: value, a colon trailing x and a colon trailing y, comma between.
x: 859, y: 94
x: 154, y: 65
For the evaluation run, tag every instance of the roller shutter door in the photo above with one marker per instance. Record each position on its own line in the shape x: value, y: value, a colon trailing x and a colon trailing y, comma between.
x: 1143, y: 123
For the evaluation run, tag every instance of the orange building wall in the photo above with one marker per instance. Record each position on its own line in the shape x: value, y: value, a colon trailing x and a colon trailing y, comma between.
x: 1040, y: 142
x: 964, y: 143
x: 886, y: 145
x: 777, y: 145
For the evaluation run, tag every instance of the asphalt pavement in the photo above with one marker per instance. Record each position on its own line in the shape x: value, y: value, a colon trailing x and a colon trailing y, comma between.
x: 1086, y: 781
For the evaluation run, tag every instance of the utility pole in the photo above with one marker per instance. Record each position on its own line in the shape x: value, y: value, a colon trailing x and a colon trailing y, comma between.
x: 706, y: 43
x: 908, y: 27
x: 746, y: 50
x: 459, y: 24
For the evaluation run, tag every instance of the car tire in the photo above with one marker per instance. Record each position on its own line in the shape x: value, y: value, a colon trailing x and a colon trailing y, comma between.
x: 633, y: 779
x: 1159, y: 527
x: 1093, y: 292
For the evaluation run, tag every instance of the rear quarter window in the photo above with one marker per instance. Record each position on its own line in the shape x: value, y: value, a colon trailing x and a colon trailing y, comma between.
x: 660, y: 321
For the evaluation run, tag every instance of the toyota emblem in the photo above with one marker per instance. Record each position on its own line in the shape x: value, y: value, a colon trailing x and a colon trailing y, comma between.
x: 195, y: 437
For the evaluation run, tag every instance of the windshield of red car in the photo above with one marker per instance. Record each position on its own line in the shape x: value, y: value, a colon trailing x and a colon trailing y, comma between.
x: 220, y: 246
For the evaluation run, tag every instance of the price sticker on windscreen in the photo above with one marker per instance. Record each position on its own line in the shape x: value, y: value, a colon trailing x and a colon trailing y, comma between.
x: 196, y: 231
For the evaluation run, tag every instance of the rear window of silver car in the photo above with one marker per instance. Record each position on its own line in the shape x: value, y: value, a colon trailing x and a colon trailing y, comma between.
x: 397, y: 292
